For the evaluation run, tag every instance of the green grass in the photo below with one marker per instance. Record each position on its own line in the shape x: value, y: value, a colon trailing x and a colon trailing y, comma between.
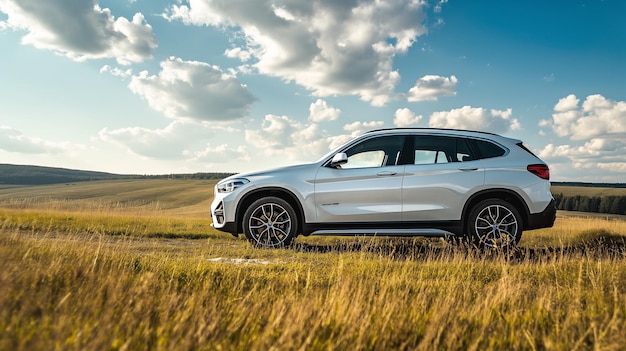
x: 82, y: 273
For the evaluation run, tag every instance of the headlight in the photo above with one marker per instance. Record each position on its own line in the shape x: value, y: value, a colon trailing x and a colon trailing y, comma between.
x: 230, y: 185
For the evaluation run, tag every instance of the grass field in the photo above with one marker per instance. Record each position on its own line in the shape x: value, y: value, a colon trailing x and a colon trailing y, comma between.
x: 133, y: 265
x: 587, y: 191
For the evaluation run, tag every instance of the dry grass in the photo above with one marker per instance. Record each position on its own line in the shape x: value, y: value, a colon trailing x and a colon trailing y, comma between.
x: 152, y: 198
x: 64, y: 287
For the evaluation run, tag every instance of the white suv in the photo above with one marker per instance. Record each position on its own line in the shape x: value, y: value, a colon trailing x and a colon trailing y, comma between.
x: 395, y: 182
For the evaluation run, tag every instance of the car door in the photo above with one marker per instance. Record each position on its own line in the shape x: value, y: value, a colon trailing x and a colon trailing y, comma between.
x: 368, y: 188
x: 442, y: 175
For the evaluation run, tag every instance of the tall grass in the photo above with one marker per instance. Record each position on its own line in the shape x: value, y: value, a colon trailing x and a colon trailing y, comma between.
x: 93, y: 268
x: 75, y: 290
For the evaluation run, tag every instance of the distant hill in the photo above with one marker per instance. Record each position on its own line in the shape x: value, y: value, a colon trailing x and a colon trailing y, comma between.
x: 37, y: 175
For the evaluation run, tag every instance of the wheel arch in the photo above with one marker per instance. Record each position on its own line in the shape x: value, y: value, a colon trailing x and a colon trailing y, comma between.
x: 507, y: 195
x: 256, y: 194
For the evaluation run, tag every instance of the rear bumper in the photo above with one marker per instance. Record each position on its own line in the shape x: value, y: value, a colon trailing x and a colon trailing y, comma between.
x: 543, y: 219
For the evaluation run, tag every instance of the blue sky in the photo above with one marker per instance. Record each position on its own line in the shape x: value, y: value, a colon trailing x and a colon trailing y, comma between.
x: 157, y: 87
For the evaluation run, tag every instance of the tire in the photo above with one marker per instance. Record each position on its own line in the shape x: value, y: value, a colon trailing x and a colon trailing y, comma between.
x: 495, y: 223
x: 270, y: 222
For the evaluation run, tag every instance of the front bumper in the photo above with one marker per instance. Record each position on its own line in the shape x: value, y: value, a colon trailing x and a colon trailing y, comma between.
x: 228, y: 227
x: 543, y: 219
x: 220, y: 214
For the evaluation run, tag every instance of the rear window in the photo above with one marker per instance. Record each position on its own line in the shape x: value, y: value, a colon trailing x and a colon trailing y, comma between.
x: 488, y: 150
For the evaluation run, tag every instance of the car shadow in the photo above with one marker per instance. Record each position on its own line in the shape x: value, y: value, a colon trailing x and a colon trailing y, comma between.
x: 609, y: 246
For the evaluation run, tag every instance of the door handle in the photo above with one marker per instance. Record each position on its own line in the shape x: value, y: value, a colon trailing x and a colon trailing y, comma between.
x: 386, y: 174
x: 468, y: 169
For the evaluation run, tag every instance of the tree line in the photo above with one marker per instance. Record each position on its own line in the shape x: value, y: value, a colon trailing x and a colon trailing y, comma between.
x: 597, y: 204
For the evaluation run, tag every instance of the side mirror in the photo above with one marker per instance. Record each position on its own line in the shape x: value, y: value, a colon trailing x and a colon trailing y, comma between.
x: 339, y: 159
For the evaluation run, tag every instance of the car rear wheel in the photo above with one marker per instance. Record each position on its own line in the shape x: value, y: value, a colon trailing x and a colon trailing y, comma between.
x: 270, y: 222
x: 495, y: 223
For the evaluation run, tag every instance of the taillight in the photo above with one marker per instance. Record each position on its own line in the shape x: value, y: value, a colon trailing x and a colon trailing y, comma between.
x: 540, y: 170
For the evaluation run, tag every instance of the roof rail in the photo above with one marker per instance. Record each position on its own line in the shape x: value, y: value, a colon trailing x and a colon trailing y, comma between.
x: 426, y: 129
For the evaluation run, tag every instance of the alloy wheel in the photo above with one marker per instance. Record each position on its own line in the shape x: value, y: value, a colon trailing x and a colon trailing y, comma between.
x: 270, y: 225
x: 496, y: 226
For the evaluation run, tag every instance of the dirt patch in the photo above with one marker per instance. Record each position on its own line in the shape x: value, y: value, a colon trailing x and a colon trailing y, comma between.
x: 243, y: 260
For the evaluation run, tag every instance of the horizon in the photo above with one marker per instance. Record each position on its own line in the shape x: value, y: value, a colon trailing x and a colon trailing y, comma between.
x: 180, y: 87
x: 619, y: 185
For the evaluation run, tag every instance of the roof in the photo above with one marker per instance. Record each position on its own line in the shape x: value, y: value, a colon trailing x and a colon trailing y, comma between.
x: 450, y: 132
x: 432, y: 129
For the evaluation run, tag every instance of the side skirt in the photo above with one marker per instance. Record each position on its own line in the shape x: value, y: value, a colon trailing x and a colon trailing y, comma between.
x: 384, y: 232
x: 431, y: 228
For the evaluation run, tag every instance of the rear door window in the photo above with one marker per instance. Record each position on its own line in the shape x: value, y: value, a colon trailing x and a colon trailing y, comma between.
x: 432, y: 149
x: 435, y: 149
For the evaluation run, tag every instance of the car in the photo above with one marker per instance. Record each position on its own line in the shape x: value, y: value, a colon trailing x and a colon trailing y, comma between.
x: 466, y: 185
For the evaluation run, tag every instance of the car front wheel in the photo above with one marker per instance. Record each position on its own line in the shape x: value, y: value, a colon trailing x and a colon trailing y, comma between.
x: 270, y: 222
x: 495, y: 223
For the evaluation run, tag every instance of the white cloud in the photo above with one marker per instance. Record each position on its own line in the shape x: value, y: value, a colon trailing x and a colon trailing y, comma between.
x: 567, y: 104
x: 170, y: 143
x: 439, y: 4
x: 329, y: 47
x: 80, y: 30
x: 219, y: 154
x: 116, y: 71
x: 598, y: 157
x: 597, y: 117
x: 294, y: 140
x: 406, y: 118
x: 559, y: 153
x: 280, y: 135
x: 611, y: 146
x: 338, y: 140
x: 191, y: 90
x: 238, y: 53
x: 320, y: 111
x: 13, y: 140
x: 431, y: 87
x: 354, y: 129
x: 361, y: 127
x: 616, y: 167
x: 544, y: 123
x: 153, y: 143
x: 597, y: 132
x: 178, y: 142
x: 477, y: 118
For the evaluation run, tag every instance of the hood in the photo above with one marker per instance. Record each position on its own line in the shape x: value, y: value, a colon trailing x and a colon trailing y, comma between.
x: 268, y: 171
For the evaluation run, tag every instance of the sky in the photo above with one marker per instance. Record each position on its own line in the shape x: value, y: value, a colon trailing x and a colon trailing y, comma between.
x: 172, y: 86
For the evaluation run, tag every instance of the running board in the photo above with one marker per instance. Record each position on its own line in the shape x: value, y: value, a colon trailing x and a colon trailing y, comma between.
x: 384, y: 232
